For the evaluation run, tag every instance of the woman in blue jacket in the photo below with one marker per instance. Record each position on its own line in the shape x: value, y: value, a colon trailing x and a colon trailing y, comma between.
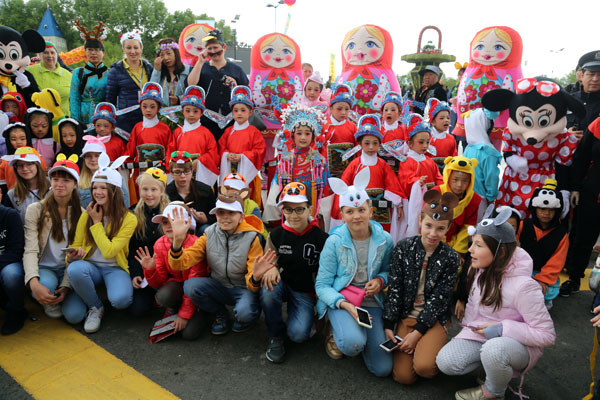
x: 169, y: 71
x: 355, y: 259
x: 126, y: 78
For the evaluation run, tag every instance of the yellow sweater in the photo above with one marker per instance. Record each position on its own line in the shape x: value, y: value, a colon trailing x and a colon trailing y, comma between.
x: 117, y: 248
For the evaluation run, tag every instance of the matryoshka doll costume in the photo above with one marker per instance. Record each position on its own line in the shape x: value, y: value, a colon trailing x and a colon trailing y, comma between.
x: 306, y: 165
x: 247, y: 141
x: 494, y: 62
x: 367, y: 55
x: 383, y: 188
x: 275, y: 70
x: 197, y: 139
x: 411, y: 170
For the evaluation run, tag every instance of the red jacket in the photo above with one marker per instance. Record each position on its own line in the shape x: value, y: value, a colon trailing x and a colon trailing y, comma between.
x: 163, y: 273
x: 197, y: 141
x: 396, y: 134
x: 340, y: 133
x: 158, y: 134
x: 115, y: 147
x: 248, y: 141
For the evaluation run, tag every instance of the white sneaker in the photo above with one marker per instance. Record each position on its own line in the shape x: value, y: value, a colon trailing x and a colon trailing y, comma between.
x: 93, y: 319
x: 53, y: 310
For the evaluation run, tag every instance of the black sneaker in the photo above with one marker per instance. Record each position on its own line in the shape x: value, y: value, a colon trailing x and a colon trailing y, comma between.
x: 14, y: 322
x: 275, y: 350
x: 569, y: 287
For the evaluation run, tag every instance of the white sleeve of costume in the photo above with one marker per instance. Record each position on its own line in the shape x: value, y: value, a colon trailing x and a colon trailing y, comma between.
x: 271, y: 212
x: 247, y: 169
x: 413, y: 211
x: 325, y: 211
x: 205, y: 175
x: 225, y: 168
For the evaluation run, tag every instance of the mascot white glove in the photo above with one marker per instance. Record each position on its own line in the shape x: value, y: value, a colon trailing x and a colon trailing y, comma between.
x: 21, y: 80
x: 517, y: 164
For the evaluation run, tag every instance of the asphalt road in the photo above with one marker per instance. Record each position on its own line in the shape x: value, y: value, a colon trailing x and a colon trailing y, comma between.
x: 234, y: 365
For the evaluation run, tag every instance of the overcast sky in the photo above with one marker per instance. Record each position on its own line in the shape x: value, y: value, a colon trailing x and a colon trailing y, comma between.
x: 318, y: 26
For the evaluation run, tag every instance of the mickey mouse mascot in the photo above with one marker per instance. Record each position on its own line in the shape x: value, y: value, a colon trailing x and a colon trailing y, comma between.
x: 535, y: 137
x: 14, y: 58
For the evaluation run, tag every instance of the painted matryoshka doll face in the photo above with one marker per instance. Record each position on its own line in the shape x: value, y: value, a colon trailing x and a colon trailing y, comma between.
x: 362, y: 48
x: 193, y: 42
x: 278, y: 54
x: 490, y: 49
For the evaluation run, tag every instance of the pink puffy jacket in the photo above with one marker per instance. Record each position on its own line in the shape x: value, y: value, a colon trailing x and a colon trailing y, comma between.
x: 523, y: 315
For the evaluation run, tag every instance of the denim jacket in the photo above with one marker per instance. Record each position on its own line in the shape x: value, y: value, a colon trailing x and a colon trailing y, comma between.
x: 338, y: 264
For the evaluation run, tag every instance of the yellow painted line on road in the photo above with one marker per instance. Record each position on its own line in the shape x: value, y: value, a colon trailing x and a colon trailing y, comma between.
x: 51, y: 360
x: 585, y: 282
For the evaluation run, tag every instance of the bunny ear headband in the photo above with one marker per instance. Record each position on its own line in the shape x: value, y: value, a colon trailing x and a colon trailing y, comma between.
x: 497, y: 228
x: 352, y: 196
x: 109, y: 174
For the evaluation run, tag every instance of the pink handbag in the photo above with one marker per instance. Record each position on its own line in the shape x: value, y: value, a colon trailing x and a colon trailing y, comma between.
x: 353, y: 295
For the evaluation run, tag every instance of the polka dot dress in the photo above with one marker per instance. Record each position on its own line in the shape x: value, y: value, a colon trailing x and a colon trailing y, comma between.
x: 516, y: 189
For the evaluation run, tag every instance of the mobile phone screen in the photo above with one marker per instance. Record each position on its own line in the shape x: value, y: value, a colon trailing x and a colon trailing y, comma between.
x: 363, y: 316
x: 389, y: 345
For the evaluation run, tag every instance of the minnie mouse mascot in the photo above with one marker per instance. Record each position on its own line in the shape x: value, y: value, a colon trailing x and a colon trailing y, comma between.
x: 535, y: 137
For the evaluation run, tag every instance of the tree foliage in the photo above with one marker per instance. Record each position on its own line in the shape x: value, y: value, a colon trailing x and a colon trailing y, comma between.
x: 151, y: 17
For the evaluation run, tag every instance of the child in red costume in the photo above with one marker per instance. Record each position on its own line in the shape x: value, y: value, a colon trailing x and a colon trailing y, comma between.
x: 105, y: 122
x: 437, y: 114
x: 13, y: 102
x: 417, y: 173
x: 195, y: 138
x: 459, y: 178
x: 383, y: 184
x: 150, y: 130
x: 391, y: 112
x: 167, y: 281
x: 242, y: 146
x: 417, y: 167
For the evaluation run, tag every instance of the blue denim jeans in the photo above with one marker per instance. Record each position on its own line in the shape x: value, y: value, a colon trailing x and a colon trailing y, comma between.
x: 300, y: 311
x: 73, y: 308
x: 11, y: 283
x: 85, y: 276
x: 353, y: 339
x: 211, y: 296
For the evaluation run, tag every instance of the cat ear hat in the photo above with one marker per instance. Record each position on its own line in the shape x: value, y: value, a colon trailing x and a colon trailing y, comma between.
x: 108, y: 173
x: 352, y: 196
x: 231, y: 200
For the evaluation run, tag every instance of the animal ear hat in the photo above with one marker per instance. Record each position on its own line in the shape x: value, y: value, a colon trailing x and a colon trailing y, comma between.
x: 235, y: 181
x: 440, y: 207
x: 497, y: 228
x: 293, y: 192
x: 352, y: 196
x: 69, y: 165
x: 231, y: 200
x: 108, y: 173
x: 94, y: 144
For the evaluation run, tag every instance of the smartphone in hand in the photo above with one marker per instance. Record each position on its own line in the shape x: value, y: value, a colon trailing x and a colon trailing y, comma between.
x: 389, y: 344
x: 364, y: 318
